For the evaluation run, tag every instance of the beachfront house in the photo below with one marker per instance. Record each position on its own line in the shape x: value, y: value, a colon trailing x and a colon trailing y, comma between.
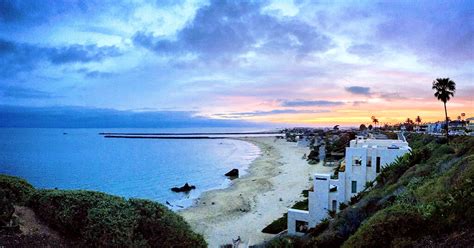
x: 364, y: 159
x: 435, y: 128
x: 470, y: 124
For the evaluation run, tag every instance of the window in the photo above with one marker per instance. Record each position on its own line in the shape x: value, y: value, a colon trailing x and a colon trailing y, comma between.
x: 302, y: 226
x: 369, y: 161
x: 356, y: 161
x: 334, y: 205
x: 354, y: 187
x: 377, y: 168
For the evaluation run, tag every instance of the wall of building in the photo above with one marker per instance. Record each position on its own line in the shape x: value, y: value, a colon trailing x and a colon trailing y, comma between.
x: 296, y: 215
x: 321, y: 199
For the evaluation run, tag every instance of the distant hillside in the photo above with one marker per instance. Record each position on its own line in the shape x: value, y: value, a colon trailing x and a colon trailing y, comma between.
x: 86, y: 219
x: 424, y: 199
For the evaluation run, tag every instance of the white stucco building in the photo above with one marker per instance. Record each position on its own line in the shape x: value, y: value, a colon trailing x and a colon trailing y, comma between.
x: 470, y: 123
x: 364, y: 159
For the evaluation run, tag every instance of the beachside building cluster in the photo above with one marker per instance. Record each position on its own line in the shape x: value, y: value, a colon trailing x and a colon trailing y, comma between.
x: 364, y: 159
x: 456, y: 127
x: 470, y: 124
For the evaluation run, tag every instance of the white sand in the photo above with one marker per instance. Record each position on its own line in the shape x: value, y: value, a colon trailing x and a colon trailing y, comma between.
x: 273, y: 184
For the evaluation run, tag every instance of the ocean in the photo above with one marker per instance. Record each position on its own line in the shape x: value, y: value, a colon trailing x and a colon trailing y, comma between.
x: 139, y: 168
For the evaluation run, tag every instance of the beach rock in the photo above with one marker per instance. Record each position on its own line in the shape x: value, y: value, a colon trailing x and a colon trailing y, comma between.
x: 232, y: 173
x: 185, y: 188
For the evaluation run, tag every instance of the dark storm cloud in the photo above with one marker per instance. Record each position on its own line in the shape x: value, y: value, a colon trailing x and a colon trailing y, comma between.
x: 358, y: 90
x: 80, y: 117
x: 80, y: 53
x: 94, y: 73
x: 228, y: 28
x: 23, y: 93
x: 17, y: 57
x: 36, y: 12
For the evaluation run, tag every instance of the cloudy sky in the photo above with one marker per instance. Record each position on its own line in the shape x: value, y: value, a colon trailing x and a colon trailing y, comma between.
x: 299, y: 62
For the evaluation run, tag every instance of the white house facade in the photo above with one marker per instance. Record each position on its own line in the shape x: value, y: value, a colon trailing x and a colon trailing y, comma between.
x: 434, y: 128
x: 470, y: 123
x: 364, y: 159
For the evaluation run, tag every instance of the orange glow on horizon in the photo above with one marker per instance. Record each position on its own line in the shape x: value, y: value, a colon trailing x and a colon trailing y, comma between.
x: 386, y: 113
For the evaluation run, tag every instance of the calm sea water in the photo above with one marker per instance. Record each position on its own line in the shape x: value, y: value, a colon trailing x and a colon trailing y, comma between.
x: 143, y: 168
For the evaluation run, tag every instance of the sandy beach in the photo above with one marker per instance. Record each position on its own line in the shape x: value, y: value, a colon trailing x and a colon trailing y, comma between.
x: 273, y: 184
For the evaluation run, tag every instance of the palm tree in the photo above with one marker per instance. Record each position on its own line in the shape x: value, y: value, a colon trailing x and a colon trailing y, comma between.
x: 418, y: 120
x: 409, y: 124
x: 444, y: 89
x: 374, y: 120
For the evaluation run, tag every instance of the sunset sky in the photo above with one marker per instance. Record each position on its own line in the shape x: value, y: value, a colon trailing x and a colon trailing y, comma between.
x: 289, y: 62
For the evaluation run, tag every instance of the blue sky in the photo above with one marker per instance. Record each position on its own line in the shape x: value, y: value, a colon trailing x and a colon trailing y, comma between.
x: 304, y: 62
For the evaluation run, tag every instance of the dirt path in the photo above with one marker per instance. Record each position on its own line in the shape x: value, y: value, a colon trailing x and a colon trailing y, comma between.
x: 33, y: 232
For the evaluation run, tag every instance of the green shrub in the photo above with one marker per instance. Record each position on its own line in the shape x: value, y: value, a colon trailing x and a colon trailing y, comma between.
x: 392, y: 172
x: 92, y: 217
x: 313, y: 161
x: 277, y: 225
x: 345, y: 223
x: 102, y: 220
x: 389, y: 226
x: 305, y: 192
x: 464, y: 145
x: 160, y: 227
x: 445, y: 149
x: 319, y: 228
x: 314, y: 154
x: 284, y: 242
x: 17, y: 189
x: 342, y: 206
x: 455, y: 207
x: 301, y: 205
x: 281, y: 223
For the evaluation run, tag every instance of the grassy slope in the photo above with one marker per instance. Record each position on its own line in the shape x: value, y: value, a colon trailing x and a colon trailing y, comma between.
x: 424, y: 198
x: 96, y: 219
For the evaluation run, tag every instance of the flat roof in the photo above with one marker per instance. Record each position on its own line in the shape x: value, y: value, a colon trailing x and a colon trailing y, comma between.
x: 379, y: 143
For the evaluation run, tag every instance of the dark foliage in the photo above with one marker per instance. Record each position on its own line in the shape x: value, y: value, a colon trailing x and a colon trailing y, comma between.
x: 6, y: 208
x: 388, y: 228
x: 281, y: 223
x: 314, y: 154
x: 277, y: 225
x: 100, y: 220
x: 16, y: 189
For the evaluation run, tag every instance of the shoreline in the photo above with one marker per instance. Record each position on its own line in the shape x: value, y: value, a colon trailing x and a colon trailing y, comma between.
x: 273, y: 183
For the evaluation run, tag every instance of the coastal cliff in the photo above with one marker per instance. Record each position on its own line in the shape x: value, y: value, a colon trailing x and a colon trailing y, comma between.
x: 79, y: 218
x: 424, y: 199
